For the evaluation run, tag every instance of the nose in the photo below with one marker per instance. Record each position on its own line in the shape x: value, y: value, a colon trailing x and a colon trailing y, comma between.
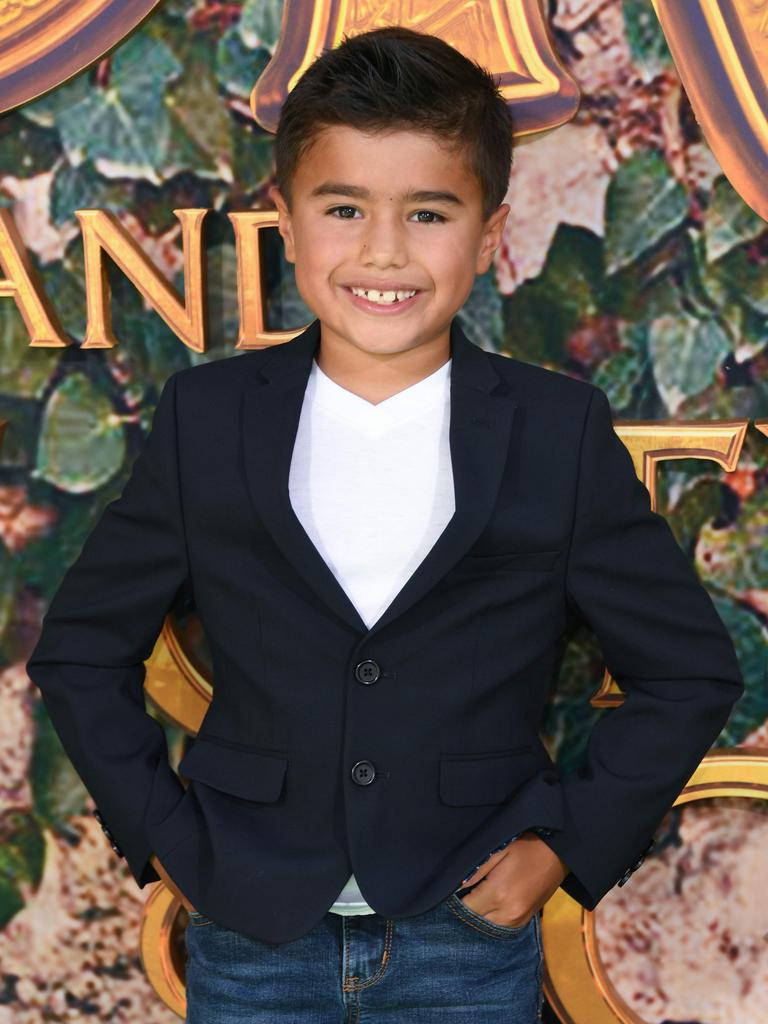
x: 384, y: 243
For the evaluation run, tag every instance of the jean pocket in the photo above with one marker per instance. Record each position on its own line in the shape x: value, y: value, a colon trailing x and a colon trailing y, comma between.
x: 472, y: 919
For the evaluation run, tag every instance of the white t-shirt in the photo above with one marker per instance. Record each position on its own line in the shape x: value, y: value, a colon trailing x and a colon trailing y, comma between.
x: 395, y: 456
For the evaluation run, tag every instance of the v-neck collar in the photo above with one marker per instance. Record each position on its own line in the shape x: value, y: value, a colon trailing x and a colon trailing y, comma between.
x: 340, y: 401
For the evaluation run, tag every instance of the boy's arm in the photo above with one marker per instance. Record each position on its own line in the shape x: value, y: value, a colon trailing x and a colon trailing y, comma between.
x: 100, y: 627
x: 664, y: 644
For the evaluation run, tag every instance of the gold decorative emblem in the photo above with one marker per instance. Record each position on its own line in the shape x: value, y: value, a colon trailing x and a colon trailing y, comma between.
x: 509, y: 38
x: 720, y: 49
x: 45, y: 42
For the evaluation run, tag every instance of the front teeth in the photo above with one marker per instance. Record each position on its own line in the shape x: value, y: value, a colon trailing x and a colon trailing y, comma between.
x: 384, y: 298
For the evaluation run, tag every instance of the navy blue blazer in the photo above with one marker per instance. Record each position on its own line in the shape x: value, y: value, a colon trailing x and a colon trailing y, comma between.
x: 407, y: 751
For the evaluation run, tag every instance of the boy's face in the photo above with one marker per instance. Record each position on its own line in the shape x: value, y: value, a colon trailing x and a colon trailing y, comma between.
x: 353, y: 225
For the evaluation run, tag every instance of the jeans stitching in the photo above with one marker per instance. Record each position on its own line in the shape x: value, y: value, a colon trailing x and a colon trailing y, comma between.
x: 385, y: 958
x: 477, y: 921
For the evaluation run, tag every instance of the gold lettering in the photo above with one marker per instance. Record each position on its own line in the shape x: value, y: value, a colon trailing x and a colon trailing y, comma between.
x: 649, y: 443
x: 23, y: 285
x: 250, y: 280
x: 102, y: 232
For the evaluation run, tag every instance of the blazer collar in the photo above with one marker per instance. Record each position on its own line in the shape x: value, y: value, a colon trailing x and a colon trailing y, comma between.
x: 481, y: 413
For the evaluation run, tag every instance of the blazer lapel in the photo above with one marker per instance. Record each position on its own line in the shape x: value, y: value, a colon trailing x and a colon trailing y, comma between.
x: 480, y: 423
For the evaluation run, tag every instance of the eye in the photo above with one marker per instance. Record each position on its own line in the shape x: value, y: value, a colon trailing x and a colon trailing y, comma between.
x: 335, y: 208
x: 430, y: 213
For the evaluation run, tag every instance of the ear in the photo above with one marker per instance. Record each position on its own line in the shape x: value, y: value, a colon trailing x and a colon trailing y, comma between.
x: 284, y: 222
x: 493, y: 232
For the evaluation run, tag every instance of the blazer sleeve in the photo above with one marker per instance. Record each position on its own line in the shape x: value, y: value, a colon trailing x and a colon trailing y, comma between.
x: 664, y: 644
x: 100, y: 627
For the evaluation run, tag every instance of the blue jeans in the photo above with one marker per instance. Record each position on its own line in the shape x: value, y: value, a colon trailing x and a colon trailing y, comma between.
x: 449, y: 965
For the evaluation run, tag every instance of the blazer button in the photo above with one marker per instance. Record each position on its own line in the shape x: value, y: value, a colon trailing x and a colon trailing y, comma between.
x: 363, y: 773
x: 638, y: 862
x: 367, y: 671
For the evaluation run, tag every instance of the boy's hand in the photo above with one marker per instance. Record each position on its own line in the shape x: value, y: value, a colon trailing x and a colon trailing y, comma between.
x: 517, y: 881
x: 169, y: 882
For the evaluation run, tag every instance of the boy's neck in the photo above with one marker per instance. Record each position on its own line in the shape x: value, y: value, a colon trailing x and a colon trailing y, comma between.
x: 376, y: 376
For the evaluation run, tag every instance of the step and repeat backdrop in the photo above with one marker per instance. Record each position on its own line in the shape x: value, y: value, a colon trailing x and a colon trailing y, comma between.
x: 137, y: 238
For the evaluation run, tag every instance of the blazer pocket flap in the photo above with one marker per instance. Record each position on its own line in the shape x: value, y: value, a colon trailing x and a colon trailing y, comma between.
x: 532, y: 561
x: 491, y: 778
x: 251, y: 774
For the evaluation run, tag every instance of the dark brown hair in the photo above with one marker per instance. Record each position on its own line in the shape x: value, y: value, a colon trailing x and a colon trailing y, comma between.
x: 396, y: 78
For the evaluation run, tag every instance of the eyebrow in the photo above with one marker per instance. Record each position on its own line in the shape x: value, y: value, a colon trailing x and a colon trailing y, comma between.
x: 339, y: 188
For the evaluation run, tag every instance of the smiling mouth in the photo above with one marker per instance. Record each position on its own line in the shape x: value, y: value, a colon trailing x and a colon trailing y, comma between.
x: 370, y: 298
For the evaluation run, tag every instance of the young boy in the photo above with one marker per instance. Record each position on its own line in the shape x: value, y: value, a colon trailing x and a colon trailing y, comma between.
x: 430, y: 519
